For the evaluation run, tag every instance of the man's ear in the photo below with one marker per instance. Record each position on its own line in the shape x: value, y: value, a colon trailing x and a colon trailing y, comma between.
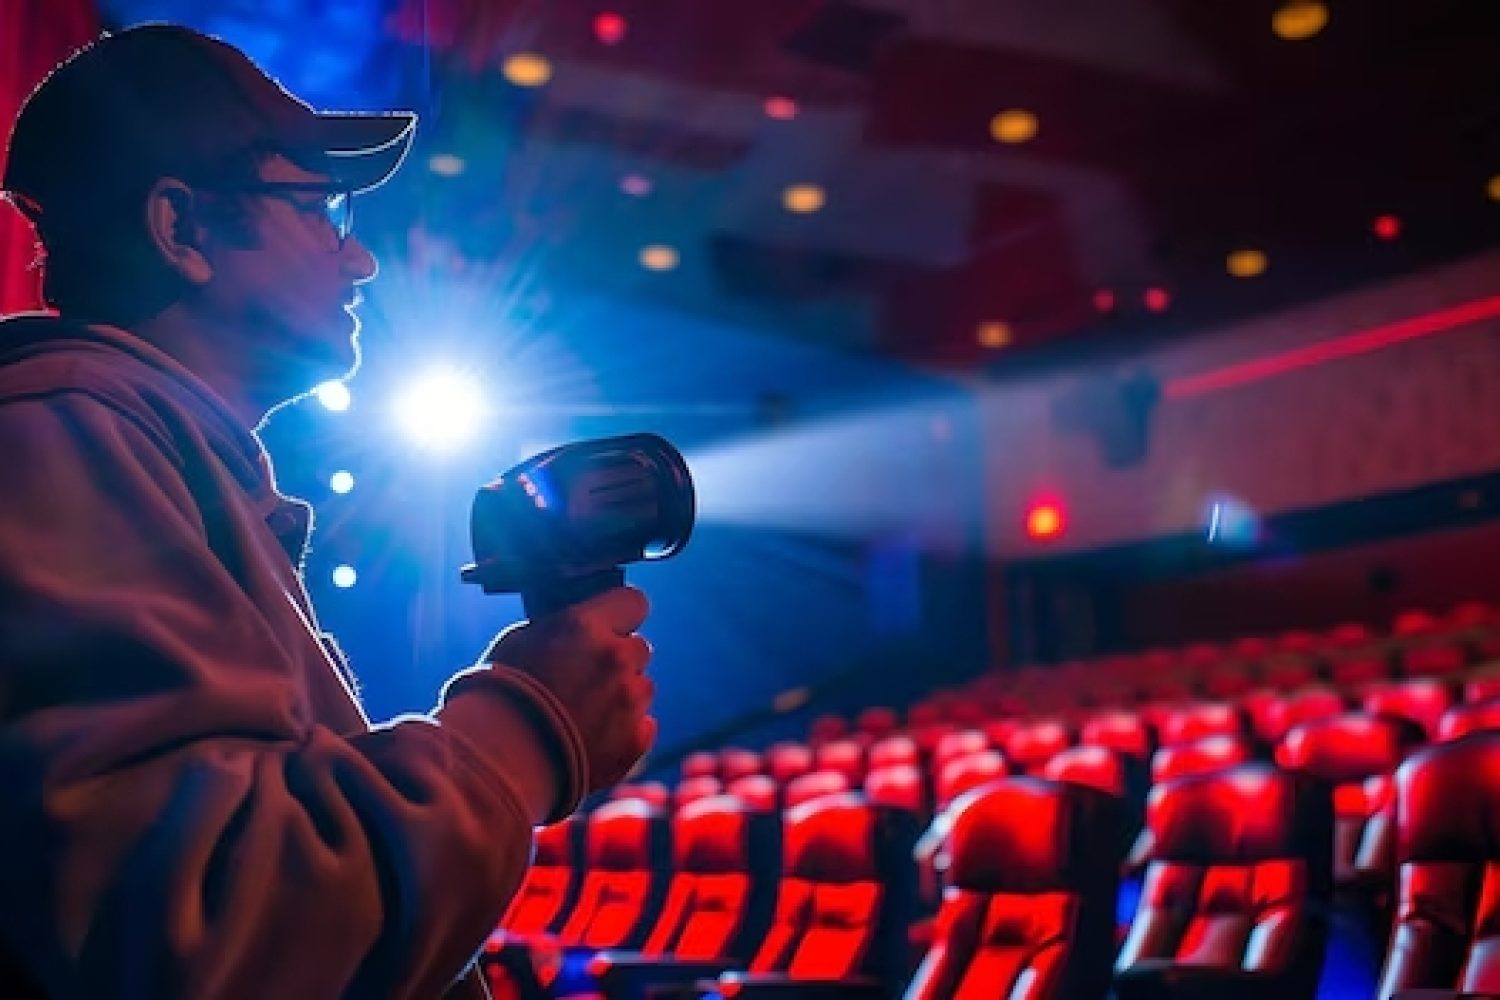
x: 173, y: 227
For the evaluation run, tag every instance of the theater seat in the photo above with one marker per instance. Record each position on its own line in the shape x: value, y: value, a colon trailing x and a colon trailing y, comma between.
x: 700, y: 764
x: 1029, y: 910
x: 551, y: 885
x: 786, y: 761
x: 716, y: 909
x: 813, y: 786
x: 1125, y: 732
x: 1354, y: 753
x: 1423, y: 701
x: 1213, y: 753
x: 1276, y: 718
x: 1447, y: 924
x: 692, y: 789
x: 898, y: 786
x: 1031, y: 746
x: 955, y: 745
x: 756, y: 791
x: 845, y: 899
x: 1460, y: 720
x: 1190, y: 723
x: 844, y: 756
x: 736, y: 762
x: 626, y: 861
x: 877, y: 722
x: 653, y: 792
x: 894, y: 751
x: 1235, y: 900
x: 960, y: 775
x: 1121, y: 776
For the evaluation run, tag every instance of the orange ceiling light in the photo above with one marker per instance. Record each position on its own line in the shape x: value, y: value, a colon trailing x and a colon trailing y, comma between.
x: 1013, y: 126
x: 994, y: 334
x: 1493, y: 188
x: 1299, y: 20
x: 527, y: 69
x: 1045, y: 521
x: 803, y: 199
x: 659, y: 257
x: 1246, y: 263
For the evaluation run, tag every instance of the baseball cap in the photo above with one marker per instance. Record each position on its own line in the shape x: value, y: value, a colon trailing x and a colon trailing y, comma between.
x: 164, y: 100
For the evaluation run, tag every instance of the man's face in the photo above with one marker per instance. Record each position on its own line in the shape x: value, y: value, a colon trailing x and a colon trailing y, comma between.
x: 288, y: 286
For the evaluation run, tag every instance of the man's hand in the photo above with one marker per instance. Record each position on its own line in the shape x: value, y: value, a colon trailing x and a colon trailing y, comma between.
x: 589, y: 656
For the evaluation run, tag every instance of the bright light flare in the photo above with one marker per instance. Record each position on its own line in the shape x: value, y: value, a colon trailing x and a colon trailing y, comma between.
x: 442, y: 411
x: 333, y: 395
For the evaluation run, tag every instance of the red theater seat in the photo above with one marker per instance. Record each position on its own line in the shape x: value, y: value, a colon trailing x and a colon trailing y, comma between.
x: 814, y: 785
x: 1306, y: 705
x: 1482, y: 686
x: 693, y: 789
x: 653, y: 792
x: 1422, y: 701
x: 1461, y: 720
x: 1434, y: 659
x: 877, y: 722
x: 737, y: 763
x: 1234, y: 904
x: 845, y: 898
x: 955, y: 745
x: 1125, y: 732
x: 700, y: 764
x: 899, y: 786
x: 785, y: 761
x: 551, y: 883
x: 1213, y: 753
x: 960, y: 775
x: 894, y: 751
x: 1347, y: 752
x: 757, y: 791
x: 626, y: 855
x: 1029, y: 909
x: 1119, y: 775
x: 827, y: 727
x: 1288, y: 671
x: 1447, y: 925
x: 1190, y: 723
x: 844, y: 756
x: 1031, y: 746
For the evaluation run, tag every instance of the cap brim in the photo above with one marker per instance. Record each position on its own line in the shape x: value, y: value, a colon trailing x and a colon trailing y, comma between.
x: 363, y: 151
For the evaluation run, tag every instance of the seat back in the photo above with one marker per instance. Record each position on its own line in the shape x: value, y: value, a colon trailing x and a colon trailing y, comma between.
x: 1029, y: 909
x: 844, y: 756
x: 1423, y: 701
x: 847, y: 893
x: 958, y: 776
x: 716, y: 907
x: 786, y: 761
x: 1240, y: 878
x: 957, y: 744
x: 1461, y: 720
x: 737, y: 762
x: 693, y: 789
x: 899, y: 786
x: 1212, y: 753
x: 551, y: 884
x: 757, y: 791
x: 1194, y: 722
x: 1447, y: 923
x: 653, y: 792
x: 626, y: 858
x: 894, y: 751
x: 1031, y: 746
x: 699, y: 764
x: 1352, y: 752
x: 1126, y: 732
x: 814, y: 786
x: 1121, y: 776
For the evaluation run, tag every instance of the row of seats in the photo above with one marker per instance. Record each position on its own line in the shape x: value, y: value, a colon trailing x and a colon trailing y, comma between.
x: 1235, y: 902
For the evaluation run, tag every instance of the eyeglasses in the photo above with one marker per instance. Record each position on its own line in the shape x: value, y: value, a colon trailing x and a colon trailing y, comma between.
x: 335, y: 206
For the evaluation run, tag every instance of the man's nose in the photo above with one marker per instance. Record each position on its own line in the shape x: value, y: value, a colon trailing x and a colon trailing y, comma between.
x: 358, y: 262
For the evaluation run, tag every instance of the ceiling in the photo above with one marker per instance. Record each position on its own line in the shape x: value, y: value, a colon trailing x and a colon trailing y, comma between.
x: 1169, y: 134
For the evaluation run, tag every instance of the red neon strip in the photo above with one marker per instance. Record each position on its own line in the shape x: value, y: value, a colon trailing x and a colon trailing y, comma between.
x: 1346, y: 346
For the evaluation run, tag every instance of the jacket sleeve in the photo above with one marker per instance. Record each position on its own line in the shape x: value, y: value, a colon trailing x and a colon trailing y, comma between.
x: 173, y: 825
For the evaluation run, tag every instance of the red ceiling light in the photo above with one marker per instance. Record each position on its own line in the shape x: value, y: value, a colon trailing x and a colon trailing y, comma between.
x: 1045, y: 521
x: 1104, y: 301
x: 1156, y: 299
x: 1387, y: 227
x: 783, y: 109
x: 609, y: 28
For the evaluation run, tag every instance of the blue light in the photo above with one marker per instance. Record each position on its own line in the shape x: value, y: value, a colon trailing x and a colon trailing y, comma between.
x: 1231, y: 523
x: 341, y: 481
x: 344, y: 577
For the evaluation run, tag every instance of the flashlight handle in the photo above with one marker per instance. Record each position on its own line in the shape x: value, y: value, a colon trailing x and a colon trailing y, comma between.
x: 554, y: 595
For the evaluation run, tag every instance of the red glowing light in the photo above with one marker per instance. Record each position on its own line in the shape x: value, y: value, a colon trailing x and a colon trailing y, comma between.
x: 1044, y: 521
x: 1387, y: 227
x: 1157, y: 299
x: 609, y: 28
x: 783, y: 109
x: 1104, y: 300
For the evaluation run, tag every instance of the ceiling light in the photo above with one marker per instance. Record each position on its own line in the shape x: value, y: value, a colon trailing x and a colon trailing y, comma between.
x: 635, y: 185
x: 803, y: 199
x: 1156, y: 300
x: 446, y: 164
x: 994, y: 334
x: 1299, y: 20
x: 1387, y: 227
x: 609, y: 28
x: 1014, y: 125
x: 1493, y: 188
x: 1246, y: 263
x: 527, y: 69
x: 658, y: 257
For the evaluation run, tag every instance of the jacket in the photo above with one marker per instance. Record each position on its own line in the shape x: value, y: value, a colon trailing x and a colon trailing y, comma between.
x: 194, y: 803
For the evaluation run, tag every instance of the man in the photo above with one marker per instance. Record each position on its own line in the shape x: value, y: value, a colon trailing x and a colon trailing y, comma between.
x: 194, y: 804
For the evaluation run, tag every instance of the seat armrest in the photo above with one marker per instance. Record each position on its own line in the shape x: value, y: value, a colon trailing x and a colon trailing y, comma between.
x: 776, y: 986
x: 1158, y: 979
x: 628, y: 975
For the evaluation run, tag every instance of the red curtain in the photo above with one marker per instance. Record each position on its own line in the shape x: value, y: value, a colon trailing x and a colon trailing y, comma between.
x: 35, y: 35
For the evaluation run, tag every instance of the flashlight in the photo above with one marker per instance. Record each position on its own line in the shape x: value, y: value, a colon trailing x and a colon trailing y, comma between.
x: 560, y: 527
